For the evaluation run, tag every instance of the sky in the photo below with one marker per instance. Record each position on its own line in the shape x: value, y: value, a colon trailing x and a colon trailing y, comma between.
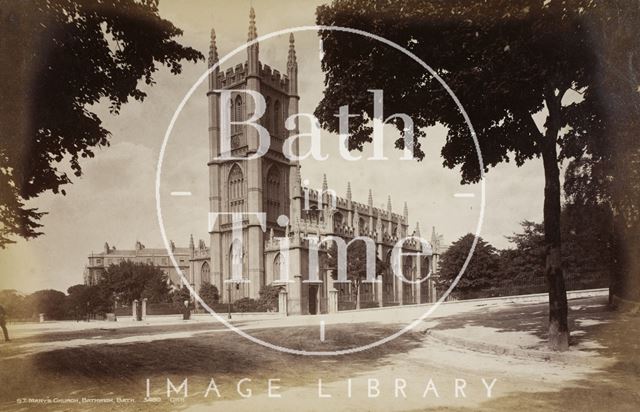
x: 114, y: 201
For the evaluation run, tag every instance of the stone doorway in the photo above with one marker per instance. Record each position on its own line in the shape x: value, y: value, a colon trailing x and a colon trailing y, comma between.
x: 313, y: 299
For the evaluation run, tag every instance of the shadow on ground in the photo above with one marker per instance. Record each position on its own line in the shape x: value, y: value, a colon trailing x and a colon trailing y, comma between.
x: 122, y: 369
x: 617, y: 337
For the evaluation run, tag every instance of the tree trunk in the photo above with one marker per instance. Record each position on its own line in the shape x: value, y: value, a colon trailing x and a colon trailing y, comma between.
x: 558, y: 329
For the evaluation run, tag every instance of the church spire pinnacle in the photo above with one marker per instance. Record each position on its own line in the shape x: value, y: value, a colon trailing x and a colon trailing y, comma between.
x: 253, y: 31
x: 389, y: 204
x: 325, y: 185
x: 349, y: 191
x: 213, y: 49
x: 291, y: 59
x: 405, y: 212
x: 292, y: 67
x: 435, y: 240
x: 253, y: 50
x: 370, y: 201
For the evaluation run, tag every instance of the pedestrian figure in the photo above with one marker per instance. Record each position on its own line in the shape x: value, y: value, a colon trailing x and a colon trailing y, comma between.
x: 186, y: 312
x: 3, y: 323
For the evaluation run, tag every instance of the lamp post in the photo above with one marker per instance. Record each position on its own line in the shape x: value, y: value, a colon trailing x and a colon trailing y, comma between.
x: 192, y: 296
x: 115, y: 307
x: 229, y: 299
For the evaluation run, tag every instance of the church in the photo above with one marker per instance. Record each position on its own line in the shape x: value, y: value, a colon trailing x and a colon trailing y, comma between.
x: 271, y: 184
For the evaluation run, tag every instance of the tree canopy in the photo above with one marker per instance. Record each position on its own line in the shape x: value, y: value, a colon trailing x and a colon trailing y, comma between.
x: 481, y: 272
x: 60, y: 59
x: 507, y: 61
x: 356, y: 261
x: 129, y: 281
x: 209, y: 294
x: 49, y: 302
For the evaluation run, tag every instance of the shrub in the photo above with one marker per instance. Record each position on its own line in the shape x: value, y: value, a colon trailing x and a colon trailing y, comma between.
x: 209, y: 294
x: 246, y: 305
x: 269, y: 295
x: 178, y: 296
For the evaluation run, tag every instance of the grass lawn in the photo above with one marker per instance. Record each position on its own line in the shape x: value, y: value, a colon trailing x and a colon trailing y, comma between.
x: 106, y: 370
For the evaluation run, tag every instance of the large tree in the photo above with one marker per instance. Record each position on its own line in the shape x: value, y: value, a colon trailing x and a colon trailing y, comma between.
x: 14, y: 304
x: 356, y: 265
x: 129, y: 281
x: 59, y: 59
x: 481, y: 273
x: 586, y: 250
x: 83, y: 300
x: 49, y: 302
x: 506, y: 61
x: 610, y: 174
x: 523, y: 263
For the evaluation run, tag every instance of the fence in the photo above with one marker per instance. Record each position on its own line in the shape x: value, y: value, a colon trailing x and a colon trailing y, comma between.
x: 176, y: 309
x: 511, y: 287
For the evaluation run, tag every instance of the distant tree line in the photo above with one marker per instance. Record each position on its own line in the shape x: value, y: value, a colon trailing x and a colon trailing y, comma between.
x: 586, y: 255
x: 120, y: 285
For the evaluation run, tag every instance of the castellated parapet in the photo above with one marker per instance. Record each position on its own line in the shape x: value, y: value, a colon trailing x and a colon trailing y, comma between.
x: 268, y: 76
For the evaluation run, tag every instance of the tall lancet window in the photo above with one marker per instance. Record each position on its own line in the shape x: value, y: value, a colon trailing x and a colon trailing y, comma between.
x: 237, y: 114
x: 278, y: 266
x: 337, y: 221
x: 273, y: 191
x: 205, y: 273
x: 277, y: 119
x: 235, y: 187
x: 237, y: 260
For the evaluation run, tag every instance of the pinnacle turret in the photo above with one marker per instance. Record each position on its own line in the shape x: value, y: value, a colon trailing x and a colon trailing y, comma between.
x: 253, y: 50
x: 292, y: 67
x: 291, y: 59
x: 253, y: 31
x: 213, y: 49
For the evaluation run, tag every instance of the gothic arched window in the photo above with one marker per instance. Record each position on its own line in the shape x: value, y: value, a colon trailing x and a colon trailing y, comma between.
x: 237, y: 261
x: 362, y: 226
x: 337, y: 221
x: 313, y: 214
x: 272, y: 195
x: 278, y: 264
x: 237, y: 114
x: 235, y: 189
x: 205, y: 272
x: 407, y: 267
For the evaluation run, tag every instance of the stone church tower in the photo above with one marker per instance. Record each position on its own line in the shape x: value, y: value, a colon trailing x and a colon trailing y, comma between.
x: 263, y: 184
x: 276, y: 250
